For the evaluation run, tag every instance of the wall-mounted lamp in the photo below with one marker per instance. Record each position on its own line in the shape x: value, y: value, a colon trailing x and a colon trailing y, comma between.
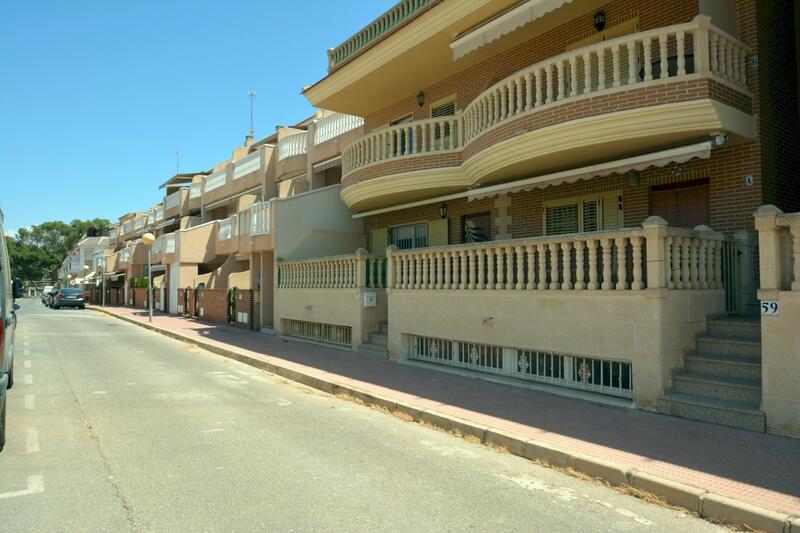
x: 443, y: 210
x: 421, y: 98
x: 677, y: 170
x: 600, y: 20
x: 634, y: 177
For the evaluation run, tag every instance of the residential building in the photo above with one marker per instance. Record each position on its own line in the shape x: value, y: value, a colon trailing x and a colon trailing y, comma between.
x: 564, y: 191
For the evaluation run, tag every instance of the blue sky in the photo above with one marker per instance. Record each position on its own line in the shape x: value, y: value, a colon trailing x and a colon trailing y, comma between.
x: 96, y: 96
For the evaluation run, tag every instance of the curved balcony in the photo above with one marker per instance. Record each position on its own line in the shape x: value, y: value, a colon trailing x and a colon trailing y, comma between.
x: 292, y: 151
x: 633, y: 94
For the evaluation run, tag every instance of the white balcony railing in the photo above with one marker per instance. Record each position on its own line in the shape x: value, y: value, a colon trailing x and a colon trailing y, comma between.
x: 195, y: 190
x: 169, y: 243
x: 172, y: 200
x: 292, y: 145
x: 246, y: 165
x: 159, y: 213
x: 334, y: 125
x: 127, y: 227
x: 112, y: 233
x: 683, y: 51
x: 151, y: 218
x: 156, y: 248
x: 225, y: 229
x: 139, y: 222
x: 260, y: 218
x: 359, y: 270
x: 125, y: 256
x: 215, y: 180
x: 607, y: 261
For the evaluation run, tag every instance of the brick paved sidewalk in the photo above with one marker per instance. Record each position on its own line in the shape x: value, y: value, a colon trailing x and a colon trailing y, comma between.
x: 751, y: 467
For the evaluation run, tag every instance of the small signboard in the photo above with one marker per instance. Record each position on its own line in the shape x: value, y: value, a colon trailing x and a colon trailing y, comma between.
x: 370, y: 299
x: 770, y: 308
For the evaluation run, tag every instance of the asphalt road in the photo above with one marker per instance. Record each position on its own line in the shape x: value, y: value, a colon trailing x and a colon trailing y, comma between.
x: 114, y: 428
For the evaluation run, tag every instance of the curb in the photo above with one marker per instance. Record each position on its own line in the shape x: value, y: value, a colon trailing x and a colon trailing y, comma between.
x: 708, y: 505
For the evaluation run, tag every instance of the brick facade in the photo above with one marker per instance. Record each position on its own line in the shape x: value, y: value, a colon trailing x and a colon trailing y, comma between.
x: 771, y: 159
x: 245, y: 304
x: 213, y: 305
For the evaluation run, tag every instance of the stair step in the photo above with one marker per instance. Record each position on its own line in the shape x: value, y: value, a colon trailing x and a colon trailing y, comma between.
x: 743, y: 328
x: 384, y: 328
x: 714, y: 387
x: 376, y: 350
x: 723, y: 366
x: 713, y: 345
x: 380, y: 339
x: 726, y: 413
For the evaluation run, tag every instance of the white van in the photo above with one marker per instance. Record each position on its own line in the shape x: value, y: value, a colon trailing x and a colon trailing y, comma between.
x: 9, y: 290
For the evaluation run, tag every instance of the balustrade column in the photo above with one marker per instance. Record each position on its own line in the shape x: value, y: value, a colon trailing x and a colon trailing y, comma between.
x: 498, y: 252
x: 622, y: 267
x: 663, y: 57
x: 566, y: 260
x: 481, y: 269
x: 561, y: 85
x: 694, y: 264
x: 439, y: 271
x: 538, y: 75
x: 681, y: 38
x: 531, y: 251
x: 463, y: 281
x: 702, y: 265
x: 519, y: 107
x: 542, y: 253
x: 554, y: 266
x: 473, y: 265
x: 606, y: 244
x: 636, y: 244
x: 686, y: 279
x: 615, y: 65
x: 601, y: 69
x: 580, y: 283
x: 549, y: 81
x: 446, y: 261
x: 677, y: 276
x: 528, y: 91
x: 418, y: 282
x: 794, y: 231
x: 509, y: 253
x: 633, y: 67
x: 520, y: 268
x: 592, y: 246
x: 647, y: 45
x: 718, y: 284
x: 573, y: 76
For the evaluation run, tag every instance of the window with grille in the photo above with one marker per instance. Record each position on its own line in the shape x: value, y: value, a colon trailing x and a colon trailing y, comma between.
x: 583, y: 214
x: 445, y: 109
x: 410, y: 236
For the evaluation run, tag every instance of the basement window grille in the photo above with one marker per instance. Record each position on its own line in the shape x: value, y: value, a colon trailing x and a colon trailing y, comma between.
x: 318, y: 332
x: 604, y: 376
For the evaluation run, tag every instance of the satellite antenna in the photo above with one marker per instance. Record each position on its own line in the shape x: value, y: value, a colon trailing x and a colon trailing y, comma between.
x: 252, y: 96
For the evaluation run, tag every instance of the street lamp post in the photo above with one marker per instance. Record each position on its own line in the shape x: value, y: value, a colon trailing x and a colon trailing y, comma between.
x: 83, y: 280
x: 103, y: 280
x: 148, y: 239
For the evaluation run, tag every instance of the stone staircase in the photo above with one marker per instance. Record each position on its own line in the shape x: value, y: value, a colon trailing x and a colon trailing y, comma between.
x: 378, y: 344
x: 720, y: 381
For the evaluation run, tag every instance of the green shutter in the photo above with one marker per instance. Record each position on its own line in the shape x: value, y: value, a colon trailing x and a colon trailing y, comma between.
x: 612, y: 211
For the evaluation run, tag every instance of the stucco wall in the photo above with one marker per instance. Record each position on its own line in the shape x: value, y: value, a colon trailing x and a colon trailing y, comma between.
x: 650, y: 328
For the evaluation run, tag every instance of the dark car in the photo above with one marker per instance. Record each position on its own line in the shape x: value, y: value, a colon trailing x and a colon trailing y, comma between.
x: 69, y: 298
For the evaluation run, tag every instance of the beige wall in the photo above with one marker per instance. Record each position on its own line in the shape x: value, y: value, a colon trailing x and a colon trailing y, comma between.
x: 196, y: 245
x: 780, y: 364
x: 341, y: 307
x: 650, y: 328
x: 315, y: 224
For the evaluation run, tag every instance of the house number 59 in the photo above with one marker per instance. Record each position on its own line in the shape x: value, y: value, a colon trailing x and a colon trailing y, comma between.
x: 770, y: 308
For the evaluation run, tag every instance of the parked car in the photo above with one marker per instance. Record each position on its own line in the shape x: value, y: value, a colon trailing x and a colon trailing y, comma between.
x: 69, y: 297
x: 9, y: 290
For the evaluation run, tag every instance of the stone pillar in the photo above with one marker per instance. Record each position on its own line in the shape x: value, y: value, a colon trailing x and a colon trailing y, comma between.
x: 655, y: 232
x: 769, y: 247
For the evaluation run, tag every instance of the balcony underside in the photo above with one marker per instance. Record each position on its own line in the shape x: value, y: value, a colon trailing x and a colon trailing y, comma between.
x: 525, y: 153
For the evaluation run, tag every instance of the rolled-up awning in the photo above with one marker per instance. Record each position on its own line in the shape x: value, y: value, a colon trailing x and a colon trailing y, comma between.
x: 503, y: 24
x: 620, y: 166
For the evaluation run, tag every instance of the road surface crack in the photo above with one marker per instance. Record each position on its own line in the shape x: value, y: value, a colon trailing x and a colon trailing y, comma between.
x: 111, y: 478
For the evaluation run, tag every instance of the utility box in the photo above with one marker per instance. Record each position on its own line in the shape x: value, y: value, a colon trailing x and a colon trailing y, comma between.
x: 370, y: 299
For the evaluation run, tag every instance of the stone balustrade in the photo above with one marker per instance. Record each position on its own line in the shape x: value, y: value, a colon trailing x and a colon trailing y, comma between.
x: 680, y: 52
x: 334, y: 125
x: 260, y: 223
x: 158, y: 213
x: 195, y: 190
x: 215, y: 180
x: 653, y: 256
x: 389, y: 21
x: 779, y: 249
x: 172, y: 200
x: 247, y: 164
x: 226, y: 229
x: 292, y: 145
x: 359, y: 270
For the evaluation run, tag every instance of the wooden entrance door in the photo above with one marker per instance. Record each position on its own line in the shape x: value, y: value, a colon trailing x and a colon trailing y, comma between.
x: 684, y: 204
